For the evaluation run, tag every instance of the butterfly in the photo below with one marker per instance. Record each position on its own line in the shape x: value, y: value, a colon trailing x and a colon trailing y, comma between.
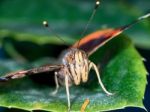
x: 75, y: 65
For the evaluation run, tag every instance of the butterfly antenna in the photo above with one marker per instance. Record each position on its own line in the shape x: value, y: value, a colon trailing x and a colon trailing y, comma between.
x: 135, y: 22
x: 45, y: 23
x: 97, y: 3
x: 91, y: 17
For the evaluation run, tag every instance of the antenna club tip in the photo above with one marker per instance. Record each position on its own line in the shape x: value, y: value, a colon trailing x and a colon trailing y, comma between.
x: 97, y: 2
x: 45, y: 23
x: 145, y: 16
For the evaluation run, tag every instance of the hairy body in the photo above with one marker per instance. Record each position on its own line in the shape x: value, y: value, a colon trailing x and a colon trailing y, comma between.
x: 75, y: 70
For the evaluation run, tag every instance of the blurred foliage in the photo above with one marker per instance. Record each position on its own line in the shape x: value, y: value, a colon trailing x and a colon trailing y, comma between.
x: 25, y: 43
x: 27, y: 16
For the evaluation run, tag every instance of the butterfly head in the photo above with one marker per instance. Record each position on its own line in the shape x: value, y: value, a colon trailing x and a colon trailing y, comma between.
x: 74, y: 56
x: 76, y: 66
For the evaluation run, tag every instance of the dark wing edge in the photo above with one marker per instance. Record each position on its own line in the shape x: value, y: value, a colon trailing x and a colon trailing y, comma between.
x: 23, y: 73
x: 93, y: 41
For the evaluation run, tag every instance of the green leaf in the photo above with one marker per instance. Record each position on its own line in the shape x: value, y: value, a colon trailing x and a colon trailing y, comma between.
x: 123, y: 73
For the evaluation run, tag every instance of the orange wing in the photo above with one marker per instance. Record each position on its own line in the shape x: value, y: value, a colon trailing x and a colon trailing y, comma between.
x: 93, y: 41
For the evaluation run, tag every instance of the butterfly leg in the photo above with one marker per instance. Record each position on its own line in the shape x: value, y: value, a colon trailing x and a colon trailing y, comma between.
x: 57, y: 85
x: 92, y: 65
x: 67, y: 91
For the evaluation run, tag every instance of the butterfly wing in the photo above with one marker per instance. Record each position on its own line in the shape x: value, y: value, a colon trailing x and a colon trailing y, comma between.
x: 23, y: 73
x: 93, y: 41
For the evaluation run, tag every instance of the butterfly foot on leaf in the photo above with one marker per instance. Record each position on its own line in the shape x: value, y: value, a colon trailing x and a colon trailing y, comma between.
x: 110, y: 94
x: 54, y: 93
x: 68, y: 109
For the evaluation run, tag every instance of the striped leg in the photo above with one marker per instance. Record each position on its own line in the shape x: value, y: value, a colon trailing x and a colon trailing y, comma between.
x: 67, y: 91
x: 92, y: 65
